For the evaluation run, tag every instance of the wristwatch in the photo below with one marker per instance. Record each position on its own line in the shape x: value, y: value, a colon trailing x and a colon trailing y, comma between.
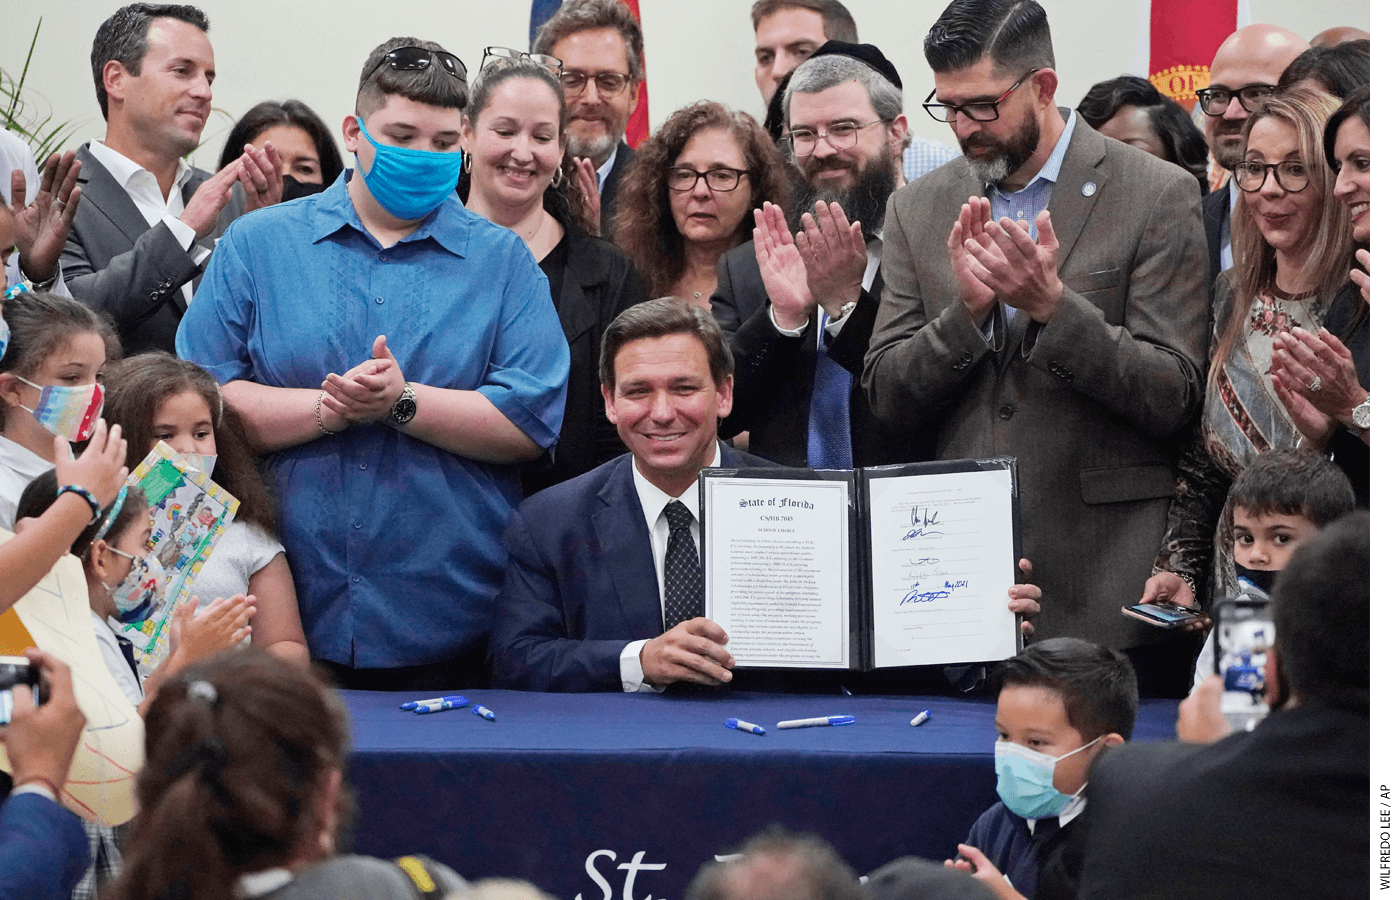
x: 405, y: 407
x: 1361, y: 417
x: 843, y: 313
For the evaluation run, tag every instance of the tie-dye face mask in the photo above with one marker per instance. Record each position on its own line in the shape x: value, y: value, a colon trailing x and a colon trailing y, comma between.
x: 71, y: 412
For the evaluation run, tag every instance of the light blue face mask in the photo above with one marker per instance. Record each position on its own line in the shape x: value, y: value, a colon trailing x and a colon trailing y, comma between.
x: 409, y: 183
x: 1026, y: 780
x: 4, y: 337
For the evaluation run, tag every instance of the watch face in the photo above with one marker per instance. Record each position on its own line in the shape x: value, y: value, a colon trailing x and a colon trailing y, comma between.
x: 1361, y: 416
x: 404, y: 410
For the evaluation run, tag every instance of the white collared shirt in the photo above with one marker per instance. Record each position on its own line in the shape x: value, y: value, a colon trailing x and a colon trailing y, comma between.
x: 143, y: 189
x: 654, y: 502
x: 606, y: 168
x: 18, y: 466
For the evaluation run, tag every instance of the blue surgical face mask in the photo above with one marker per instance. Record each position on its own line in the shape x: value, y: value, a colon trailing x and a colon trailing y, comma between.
x: 1026, y: 780
x: 409, y: 183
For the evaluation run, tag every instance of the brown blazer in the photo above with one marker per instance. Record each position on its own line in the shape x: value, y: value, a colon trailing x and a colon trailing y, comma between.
x: 1090, y: 402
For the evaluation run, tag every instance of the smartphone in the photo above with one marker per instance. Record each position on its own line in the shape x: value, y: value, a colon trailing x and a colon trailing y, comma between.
x: 1164, y: 614
x: 16, y: 670
x: 1244, y: 632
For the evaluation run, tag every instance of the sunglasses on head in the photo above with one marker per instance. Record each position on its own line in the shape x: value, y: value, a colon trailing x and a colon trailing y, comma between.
x: 493, y: 55
x: 417, y: 59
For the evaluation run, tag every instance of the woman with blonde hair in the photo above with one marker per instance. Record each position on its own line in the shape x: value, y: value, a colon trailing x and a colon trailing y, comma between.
x: 1292, y: 245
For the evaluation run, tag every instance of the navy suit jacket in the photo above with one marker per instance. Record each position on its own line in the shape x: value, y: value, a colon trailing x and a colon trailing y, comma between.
x: 1215, y: 210
x: 43, y: 849
x: 608, y: 197
x: 580, y: 582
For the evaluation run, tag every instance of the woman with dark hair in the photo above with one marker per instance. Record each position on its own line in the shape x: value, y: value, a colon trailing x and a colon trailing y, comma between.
x: 1291, y: 251
x: 689, y: 195
x: 242, y: 794
x: 1324, y: 379
x: 517, y: 174
x: 310, y: 155
x: 1340, y: 71
x: 1130, y: 109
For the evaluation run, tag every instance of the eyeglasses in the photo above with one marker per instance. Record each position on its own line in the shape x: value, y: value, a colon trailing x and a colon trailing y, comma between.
x: 417, y: 59
x: 980, y: 111
x: 679, y: 178
x: 1215, y: 100
x: 493, y: 55
x: 841, y: 136
x: 1291, y: 175
x: 609, y: 84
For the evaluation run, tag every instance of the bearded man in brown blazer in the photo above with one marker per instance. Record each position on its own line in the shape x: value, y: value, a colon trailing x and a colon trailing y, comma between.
x: 1043, y: 300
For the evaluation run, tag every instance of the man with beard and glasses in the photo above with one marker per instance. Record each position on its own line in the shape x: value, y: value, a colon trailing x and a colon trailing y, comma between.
x: 600, y: 44
x: 807, y: 305
x: 1044, y: 300
x: 1244, y: 72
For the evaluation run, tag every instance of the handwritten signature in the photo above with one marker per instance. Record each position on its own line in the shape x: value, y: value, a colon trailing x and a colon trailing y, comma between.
x: 917, y: 596
x: 915, y: 563
x: 919, y: 521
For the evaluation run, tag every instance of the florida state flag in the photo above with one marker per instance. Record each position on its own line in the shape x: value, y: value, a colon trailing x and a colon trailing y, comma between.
x: 639, y: 126
x: 1178, y: 40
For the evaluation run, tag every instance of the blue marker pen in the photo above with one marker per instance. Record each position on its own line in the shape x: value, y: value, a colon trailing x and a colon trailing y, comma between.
x: 741, y: 725
x: 438, y: 704
x: 485, y: 713
x: 820, y: 720
x: 920, y: 719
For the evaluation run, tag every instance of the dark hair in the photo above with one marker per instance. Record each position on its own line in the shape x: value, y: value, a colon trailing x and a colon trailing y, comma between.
x: 1014, y: 33
x: 433, y: 85
x: 42, y: 492
x: 1357, y: 104
x: 837, y: 22
x: 238, y: 752
x: 817, y: 872
x: 1322, y: 616
x: 136, y: 388
x: 270, y: 114
x: 659, y: 318
x: 559, y: 201
x: 1292, y: 483
x: 1184, y: 143
x: 123, y: 38
x: 1096, y: 684
x: 585, y: 15
x: 41, y: 323
x: 642, y: 223
x: 1341, y: 70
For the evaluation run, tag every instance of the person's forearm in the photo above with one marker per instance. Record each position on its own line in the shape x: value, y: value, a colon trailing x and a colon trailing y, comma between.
x: 468, y: 424
x: 278, y: 418
x: 28, y: 556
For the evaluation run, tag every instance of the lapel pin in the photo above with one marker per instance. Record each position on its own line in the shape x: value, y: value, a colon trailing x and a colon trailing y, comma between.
x: 1088, y: 189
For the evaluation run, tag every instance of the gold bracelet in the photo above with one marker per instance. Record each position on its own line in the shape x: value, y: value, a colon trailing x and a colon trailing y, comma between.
x: 319, y: 424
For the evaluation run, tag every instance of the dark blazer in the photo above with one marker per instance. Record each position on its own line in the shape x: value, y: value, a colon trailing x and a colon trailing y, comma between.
x: 609, y: 194
x: 1215, y: 210
x: 598, y: 283
x: 1089, y: 403
x: 43, y: 849
x: 1349, y: 318
x: 580, y: 583
x: 116, y: 263
x: 1284, y: 810
x: 773, y: 373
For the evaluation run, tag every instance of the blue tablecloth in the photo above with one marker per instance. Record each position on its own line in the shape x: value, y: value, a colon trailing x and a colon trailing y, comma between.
x: 613, y: 795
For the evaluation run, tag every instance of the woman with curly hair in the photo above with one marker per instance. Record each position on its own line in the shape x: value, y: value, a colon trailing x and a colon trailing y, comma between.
x: 689, y: 195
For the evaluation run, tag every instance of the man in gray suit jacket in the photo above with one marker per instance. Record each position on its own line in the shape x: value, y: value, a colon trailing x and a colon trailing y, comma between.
x: 1068, y: 331
x: 148, y: 220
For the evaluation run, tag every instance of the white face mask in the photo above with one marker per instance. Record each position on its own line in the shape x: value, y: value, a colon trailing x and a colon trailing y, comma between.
x: 200, y: 462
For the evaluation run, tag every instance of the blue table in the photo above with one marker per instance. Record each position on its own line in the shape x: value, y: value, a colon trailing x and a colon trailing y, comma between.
x: 624, y: 796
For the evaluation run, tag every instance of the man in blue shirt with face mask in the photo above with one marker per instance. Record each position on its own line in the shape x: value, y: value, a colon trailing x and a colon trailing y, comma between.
x: 397, y: 355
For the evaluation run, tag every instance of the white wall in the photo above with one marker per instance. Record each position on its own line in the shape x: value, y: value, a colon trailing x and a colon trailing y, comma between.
x: 695, y: 48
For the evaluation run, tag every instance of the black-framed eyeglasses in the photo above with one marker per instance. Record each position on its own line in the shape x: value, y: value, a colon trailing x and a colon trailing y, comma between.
x: 492, y: 55
x: 841, y: 136
x: 417, y: 59
x: 1291, y: 175
x: 1215, y: 100
x: 680, y: 178
x: 979, y: 111
x: 610, y: 84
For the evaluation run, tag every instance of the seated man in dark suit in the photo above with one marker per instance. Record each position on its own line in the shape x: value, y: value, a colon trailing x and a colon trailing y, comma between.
x: 600, y: 593
x: 808, y: 306
x: 148, y: 220
x: 1251, y: 814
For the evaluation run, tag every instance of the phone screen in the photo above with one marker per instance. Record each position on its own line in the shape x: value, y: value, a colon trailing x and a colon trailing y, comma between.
x: 1244, y: 632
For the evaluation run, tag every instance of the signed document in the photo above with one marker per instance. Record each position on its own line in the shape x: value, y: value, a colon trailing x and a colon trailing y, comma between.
x: 876, y: 568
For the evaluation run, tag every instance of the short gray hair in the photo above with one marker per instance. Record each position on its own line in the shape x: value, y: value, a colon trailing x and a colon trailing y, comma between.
x: 583, y: 15
x: 822, y: 72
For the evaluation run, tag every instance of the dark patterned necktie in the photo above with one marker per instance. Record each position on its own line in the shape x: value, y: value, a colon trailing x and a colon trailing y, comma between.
x: 685, y: 583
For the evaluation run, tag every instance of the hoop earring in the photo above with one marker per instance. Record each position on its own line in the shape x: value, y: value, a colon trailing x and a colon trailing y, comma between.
x: 558, y: 178
x: 467, y: 163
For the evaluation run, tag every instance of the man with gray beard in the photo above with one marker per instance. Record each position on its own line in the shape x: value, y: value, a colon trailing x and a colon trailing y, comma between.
x: 799, y: 311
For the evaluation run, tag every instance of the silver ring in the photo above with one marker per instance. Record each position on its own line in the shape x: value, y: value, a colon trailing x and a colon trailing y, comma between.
x: 58, y: 203
x: 1316, y: 384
